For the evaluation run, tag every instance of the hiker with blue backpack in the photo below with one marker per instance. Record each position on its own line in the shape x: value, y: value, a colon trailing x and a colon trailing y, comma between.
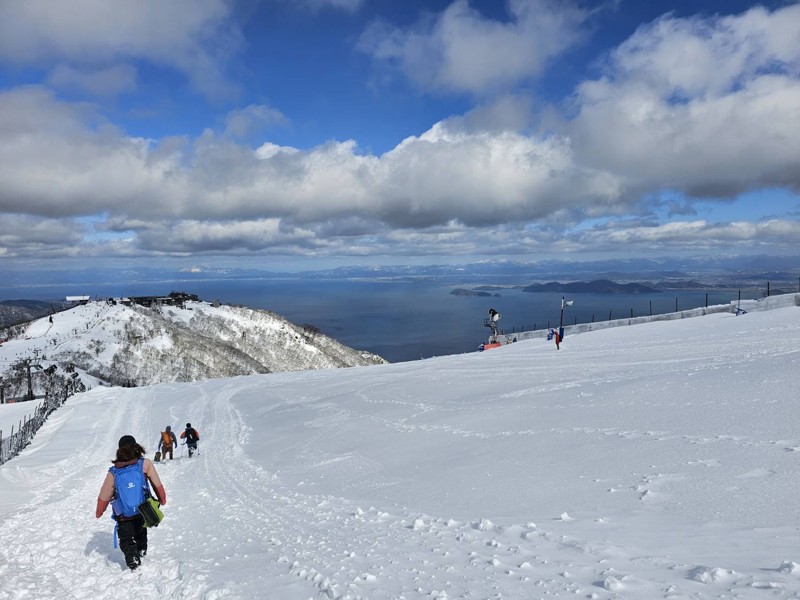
x: 127, y: 488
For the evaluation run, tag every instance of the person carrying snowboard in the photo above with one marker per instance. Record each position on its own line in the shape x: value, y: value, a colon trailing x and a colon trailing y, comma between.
x: 125, y: 487
x: 167, y: 443
x: 191, y: 436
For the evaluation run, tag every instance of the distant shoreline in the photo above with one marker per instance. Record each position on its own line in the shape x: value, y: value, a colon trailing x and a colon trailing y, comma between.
x: 598, y: 286
x: 403, y: 321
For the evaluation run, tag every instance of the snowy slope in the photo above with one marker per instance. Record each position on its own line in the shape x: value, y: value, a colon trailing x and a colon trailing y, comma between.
x: 126, y: 345
x: 654, y: 461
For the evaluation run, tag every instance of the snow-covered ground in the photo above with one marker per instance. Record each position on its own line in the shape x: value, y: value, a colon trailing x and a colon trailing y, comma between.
x: 655, y: 461
x: 128, y: 346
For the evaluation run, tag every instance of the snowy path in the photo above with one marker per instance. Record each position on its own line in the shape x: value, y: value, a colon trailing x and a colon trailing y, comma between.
x: 226, y: 516
x: 656, y: 462
x: 293, y: 544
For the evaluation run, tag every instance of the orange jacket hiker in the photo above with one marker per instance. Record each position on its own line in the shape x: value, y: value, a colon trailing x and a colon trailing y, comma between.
x: 167, y: 443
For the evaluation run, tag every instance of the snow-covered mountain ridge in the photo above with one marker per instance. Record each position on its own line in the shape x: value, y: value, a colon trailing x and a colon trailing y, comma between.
x: 135, y: 346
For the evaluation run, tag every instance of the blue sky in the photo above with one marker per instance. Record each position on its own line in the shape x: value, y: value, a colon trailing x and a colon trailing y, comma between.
x: 315, y: 133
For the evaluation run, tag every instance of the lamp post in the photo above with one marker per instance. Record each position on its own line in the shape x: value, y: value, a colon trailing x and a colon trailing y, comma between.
x: 564, y: 304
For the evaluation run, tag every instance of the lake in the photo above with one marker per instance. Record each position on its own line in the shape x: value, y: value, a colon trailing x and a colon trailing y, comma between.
x: 400, y: 320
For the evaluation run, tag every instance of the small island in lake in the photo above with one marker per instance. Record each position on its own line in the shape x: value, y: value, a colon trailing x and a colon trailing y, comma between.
x: 463, y: 292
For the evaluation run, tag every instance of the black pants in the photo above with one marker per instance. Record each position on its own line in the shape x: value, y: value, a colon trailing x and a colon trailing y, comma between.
x: 132, y: 538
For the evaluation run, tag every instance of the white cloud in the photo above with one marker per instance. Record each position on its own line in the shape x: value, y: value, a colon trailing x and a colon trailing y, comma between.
x: 461, y: 50
x: 485, y: 181
x: 26, y: 235
x: 695, y: 57
x: 192, y: 36
x: 456, y: 188
x: 681, y: 235
x: 706, y: 106
x: 268, y: 150
x: 217, y: 236
x: 506, y: 112
x: 483, y: 177
x: 61, y: 159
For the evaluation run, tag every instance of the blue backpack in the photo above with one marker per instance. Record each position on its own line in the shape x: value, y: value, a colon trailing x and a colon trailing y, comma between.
x: 130, y: 489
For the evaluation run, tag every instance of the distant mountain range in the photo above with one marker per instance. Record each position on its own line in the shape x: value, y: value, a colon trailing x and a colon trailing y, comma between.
x: 723, y: 270
x: 598, y: 286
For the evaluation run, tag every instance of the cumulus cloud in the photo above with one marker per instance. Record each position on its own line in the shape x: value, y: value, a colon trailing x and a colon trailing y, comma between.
x: 26, y: 235
x: 66, y: 165
x: 197, y: 236
x: 705, y: 106
x: 71, y: 163
x: 486, y: 178
x: 59, y: 159
x: 699, y: 234
x: 506, y: 112
x: 193, y: 36
x: 461, y: 50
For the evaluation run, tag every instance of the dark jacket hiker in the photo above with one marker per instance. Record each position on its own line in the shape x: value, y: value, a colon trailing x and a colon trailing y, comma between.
x: 191, y: 435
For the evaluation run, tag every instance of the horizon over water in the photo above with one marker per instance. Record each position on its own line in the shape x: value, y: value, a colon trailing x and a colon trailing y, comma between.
x: 400, y: 320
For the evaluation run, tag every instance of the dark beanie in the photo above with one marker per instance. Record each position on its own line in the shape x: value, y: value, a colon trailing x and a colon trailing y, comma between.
x: 126, y: 440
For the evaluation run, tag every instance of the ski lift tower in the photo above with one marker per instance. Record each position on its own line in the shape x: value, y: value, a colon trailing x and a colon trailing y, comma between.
x: 494, y: 317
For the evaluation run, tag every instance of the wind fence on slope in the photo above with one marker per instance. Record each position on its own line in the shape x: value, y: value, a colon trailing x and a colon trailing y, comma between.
x: 766, y: 303
x: 13, y: 444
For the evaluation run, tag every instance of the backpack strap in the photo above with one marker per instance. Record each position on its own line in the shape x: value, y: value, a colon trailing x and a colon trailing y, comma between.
x: 145, y: 479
